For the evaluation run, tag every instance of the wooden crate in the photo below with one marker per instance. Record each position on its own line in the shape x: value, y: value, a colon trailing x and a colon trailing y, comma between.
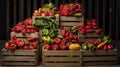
x: 20, y: 57
x: 99, y: 57
x: 87, y: 36
x: 20, y: 35
x: 35, y: 17
x: 61, y: 58
x: 71, y: 21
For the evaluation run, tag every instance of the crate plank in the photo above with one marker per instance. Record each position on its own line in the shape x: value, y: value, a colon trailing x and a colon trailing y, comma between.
x: 18, y: 52
x: 34, y: 17
x: 101, y: 58
x: 71, y: 21
x: 19, y: 63
x: 98, y: 63
x: 24, y: 35
x: 100, y: 52
x: 63, y: 64
x: 69, y: 18
x: 61, y: 52
x: 61, y: 59
x: 90, y: 35
x: 18, y: 58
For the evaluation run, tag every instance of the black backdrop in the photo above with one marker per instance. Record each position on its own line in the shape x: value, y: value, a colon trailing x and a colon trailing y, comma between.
x: 105, y: 11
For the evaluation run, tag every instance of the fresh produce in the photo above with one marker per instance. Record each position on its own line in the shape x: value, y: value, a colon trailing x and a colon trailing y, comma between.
x: 46, y: 10
x: 46, y: 22
x: 25, y: 27
x: 54, y: 46
x: 104, y: 43
x: 74, y: 46
x: 18, y: 43
x: 88, y: 46
x: 90, y: 27
x: 46, y: 39
x: 46, y: 47
x: 71, y: 10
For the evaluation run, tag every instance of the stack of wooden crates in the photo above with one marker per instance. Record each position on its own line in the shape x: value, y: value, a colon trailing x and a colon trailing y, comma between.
x: 64, y: 57
x: 21, y: 57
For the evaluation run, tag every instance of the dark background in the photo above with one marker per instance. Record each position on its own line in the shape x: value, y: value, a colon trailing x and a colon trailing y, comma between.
x: 105, y: 11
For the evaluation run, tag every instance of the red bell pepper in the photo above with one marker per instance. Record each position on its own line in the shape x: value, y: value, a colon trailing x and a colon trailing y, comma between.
x: 64, y: 32
x: 34, y: 45
x: 63, y: 46
x: 46, y: 47
x: 57, y: 40
x: 26, y: 48
x: 20, y: 43
x: 110, y: 46
x: 12, y: 47
x: 105, y: 47
x: 54, y: 46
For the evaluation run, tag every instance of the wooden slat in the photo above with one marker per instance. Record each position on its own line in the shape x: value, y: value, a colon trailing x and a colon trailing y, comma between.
x: 42, y: 2
x: 64, y: 18
x: 21, y: 10
x: 25, y: 35
x: 90, y: 35
x: 18, y: 58
x: 57, y: 3
x: 71, y: 23
x: 7, y: 18
x: 104, y: 16
x: 117, y: 20
x: 98, y: 63
x: 61, y: 52
x: 101, y: 58
x: 29, y: 8
x: 18, y: 63
x: 62, y: 64
x: 90, y: 8
x: 34, y: 4
x: 100, y: 52
x: 19, y: 52
x: 83, y: 39
x: 61, y: 59
x: 96, y: 13
x: 15, y: 12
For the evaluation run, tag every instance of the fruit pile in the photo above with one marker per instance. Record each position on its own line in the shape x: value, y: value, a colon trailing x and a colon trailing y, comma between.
x: 18, y: 43
x: 90, y: 27
x: 104, y: 43
x: 25, y: 27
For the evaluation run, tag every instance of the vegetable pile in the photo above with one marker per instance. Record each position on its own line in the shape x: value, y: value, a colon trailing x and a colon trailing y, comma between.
x: 25, y: 27
x: 104, y: 43
x: 67, y: 40
x: 71, y: 10
x: 46, y: 10
x: 19, y: 43
x: 90, y: 27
